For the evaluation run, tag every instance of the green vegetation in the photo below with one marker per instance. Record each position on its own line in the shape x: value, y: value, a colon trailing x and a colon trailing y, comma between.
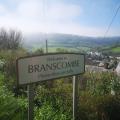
x: 116, y: 50
x: 98, y: 96
x: 111, y: 49
x: 95, y: 101
x: 11, y: 108
x: 60, y: 48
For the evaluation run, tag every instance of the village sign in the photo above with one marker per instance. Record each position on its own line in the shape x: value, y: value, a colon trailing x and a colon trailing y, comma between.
x: 51, y: 66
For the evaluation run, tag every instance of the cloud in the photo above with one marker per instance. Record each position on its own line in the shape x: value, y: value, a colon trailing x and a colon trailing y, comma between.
x: 37, y: 12
x: 62, y: 11
x: 36, y: 16
x: 41, y: 11
x: 3, y: 10
x: 30, y: 9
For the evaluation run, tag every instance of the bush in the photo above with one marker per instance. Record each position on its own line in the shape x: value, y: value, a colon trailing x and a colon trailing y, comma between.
x: 9, y: 70
x: 11, y: 108
x: 48, y: 112
x: 54, y: 103
x: 109, y: 108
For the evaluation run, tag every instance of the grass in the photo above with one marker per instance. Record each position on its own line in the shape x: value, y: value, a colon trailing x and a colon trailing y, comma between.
x: 113, y: 50
x: 70, y: 49
x: 116, y: 49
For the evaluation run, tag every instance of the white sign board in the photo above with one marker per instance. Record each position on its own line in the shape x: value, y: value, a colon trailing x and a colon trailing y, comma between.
x: 49, y: 66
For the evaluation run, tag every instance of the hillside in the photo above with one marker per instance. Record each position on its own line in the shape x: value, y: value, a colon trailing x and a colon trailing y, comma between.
x: 68, y: 41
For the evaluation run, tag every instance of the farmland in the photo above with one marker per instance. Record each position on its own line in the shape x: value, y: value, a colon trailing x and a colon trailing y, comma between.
x: 71, y: 43
x: 116, y: 50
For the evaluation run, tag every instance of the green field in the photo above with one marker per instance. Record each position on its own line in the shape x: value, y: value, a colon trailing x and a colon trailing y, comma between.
x: 116, y: 50
x: 112, y: 50
x: 62, y: 48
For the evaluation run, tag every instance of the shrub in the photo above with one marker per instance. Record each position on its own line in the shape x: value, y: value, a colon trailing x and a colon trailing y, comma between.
x: 11, y: 108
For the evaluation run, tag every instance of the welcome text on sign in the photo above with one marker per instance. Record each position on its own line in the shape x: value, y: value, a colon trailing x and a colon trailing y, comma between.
x: 53, y: 66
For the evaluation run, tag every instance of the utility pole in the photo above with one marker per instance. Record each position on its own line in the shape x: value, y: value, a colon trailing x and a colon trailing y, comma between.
x: 46, y: 46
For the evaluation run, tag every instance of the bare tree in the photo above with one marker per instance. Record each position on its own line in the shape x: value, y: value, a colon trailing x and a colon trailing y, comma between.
x: 3, y: 38
x: 10, y: 39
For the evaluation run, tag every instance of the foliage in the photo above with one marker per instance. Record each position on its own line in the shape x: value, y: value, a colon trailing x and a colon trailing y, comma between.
x: 98, y: 97
x: 116, y: 49
x: 9, y: 69
x: 52, y: 103
x: 96, y: 102
x: 10, y: 39
x: 99, y: 107
x: 102, y: 83
x: 61, y: 50
x: 38, y: 51
x: 48, y: 112
x: 11, y: 108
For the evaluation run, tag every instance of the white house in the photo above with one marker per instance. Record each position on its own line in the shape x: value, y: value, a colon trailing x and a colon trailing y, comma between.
x: 118, y: 69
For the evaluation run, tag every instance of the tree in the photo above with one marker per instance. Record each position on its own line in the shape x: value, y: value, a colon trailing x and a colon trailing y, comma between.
x: 61, y: 50
x: 38, y: 51
x: 10, y: 39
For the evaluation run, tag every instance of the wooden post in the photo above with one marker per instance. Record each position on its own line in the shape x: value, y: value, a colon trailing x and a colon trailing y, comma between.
x: 30, y: 102
x: 46, y: 46
x: 75, y: 96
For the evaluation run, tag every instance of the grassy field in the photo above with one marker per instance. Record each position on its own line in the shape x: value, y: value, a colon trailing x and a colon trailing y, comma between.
x: 116, y: 50
x: 62, y: 48
x: 112, y: 50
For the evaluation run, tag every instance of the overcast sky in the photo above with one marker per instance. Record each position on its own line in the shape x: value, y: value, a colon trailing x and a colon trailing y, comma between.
x: 82, y: 17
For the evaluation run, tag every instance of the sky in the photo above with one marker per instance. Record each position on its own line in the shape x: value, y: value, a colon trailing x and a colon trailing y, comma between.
x: 80, y: 17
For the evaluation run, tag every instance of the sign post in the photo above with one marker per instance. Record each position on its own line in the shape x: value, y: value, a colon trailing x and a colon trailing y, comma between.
x: 75, y: 96
x: 30, y: 102
x: 46, y: 46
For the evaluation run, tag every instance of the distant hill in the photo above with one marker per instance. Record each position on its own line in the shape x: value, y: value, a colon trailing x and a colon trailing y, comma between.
x: 68, y: 40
